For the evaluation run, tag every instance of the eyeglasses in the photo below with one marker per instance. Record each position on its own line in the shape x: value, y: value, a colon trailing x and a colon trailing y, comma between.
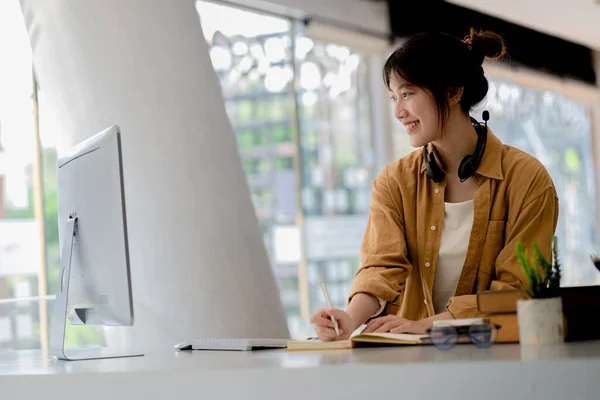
x: 482, y: 334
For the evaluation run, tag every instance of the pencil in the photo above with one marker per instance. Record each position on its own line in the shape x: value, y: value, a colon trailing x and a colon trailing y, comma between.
x: 328, y: 301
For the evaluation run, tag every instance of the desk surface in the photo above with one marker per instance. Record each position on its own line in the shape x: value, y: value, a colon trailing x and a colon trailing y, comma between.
x: 570, y: 370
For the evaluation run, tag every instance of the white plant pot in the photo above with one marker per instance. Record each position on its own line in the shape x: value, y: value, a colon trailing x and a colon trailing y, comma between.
x: 540, y: 321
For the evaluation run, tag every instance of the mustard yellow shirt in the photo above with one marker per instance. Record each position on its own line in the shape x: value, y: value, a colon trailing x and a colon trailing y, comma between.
x: 516, y: 201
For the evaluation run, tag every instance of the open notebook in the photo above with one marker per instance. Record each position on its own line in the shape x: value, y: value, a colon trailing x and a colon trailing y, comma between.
x: 361, y: 340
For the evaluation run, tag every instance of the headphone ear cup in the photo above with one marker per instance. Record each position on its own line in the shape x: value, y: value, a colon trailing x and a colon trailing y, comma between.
x: 465, y: 168
x: 434, y: 171
x: 471, y: 162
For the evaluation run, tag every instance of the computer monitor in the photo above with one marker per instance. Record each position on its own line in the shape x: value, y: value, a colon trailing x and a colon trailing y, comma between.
x: 94, y: 285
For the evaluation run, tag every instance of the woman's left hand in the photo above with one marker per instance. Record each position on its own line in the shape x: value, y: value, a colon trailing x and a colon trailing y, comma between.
x: 415, y: 327
x: 385, y: 324
x: 420, y: 327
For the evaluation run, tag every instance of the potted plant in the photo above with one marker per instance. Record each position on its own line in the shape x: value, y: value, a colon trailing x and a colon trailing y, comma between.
x: 540, y: 316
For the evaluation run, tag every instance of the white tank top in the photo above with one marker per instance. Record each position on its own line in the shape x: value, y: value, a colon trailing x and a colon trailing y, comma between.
x: 458, y: 221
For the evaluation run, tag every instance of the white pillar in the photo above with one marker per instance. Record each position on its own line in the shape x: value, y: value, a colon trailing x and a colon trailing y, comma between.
x: 199, y: 266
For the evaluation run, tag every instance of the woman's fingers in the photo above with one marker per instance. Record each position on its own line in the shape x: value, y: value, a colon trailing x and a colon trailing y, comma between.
x: 374, y: 324
x: 388, y: 326
x: 320, y: 321
x: 327, y: 336
x: 337, y: 314
x: 402, y: 329
x: 324, y: 326
x: 319, y: 313
x: 414, y: 327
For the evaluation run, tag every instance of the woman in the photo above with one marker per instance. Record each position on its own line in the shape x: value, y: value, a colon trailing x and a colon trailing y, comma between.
x: 444, y: 221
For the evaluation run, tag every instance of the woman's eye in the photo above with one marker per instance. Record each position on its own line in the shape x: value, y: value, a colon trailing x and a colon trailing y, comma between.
x: 405, y: 95
x: 393, y: 99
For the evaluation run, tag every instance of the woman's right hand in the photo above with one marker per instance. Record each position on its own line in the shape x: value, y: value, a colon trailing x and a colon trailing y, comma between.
x: 324, y: 326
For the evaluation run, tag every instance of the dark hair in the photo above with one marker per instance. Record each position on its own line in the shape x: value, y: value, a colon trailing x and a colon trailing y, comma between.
x: 439, y: 62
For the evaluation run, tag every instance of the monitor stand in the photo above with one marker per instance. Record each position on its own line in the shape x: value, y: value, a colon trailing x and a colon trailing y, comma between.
x: 59, y: 319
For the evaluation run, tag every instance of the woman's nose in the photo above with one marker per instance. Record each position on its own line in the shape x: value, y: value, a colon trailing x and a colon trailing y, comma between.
x: 400, y: 112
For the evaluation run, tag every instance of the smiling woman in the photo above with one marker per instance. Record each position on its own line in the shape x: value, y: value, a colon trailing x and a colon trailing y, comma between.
x: 550, y: 119
x: 444, y: 222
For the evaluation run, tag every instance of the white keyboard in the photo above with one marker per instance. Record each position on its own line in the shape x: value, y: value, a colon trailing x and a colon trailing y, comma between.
x: 239, y: 344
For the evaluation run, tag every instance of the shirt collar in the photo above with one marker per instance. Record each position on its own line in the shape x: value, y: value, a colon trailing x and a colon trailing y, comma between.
x: 491, y: 163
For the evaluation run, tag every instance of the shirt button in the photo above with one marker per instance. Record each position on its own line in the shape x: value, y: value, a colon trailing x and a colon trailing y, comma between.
x: 433, y: 227
x: 427, y: 265
x: 425, y: 301
x: 436, y: 191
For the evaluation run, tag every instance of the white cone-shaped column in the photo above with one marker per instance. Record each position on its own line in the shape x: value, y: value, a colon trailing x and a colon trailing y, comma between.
x: 199, y: 266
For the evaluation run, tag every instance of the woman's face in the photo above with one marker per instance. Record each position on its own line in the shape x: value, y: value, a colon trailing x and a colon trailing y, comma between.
x: 416, y: 109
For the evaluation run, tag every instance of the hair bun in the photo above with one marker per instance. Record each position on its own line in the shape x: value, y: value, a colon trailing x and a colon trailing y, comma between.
x: 486, y: 44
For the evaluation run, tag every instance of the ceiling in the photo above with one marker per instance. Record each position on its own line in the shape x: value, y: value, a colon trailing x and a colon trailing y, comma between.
x: 575, y: 20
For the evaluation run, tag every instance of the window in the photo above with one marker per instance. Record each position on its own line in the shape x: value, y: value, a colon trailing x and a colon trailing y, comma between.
x: 21, y: 255
x: 300, y: 112
x: 337, y: 163
x: 252, y: 55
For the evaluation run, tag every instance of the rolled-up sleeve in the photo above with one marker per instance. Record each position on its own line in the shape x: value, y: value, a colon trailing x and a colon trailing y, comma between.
x: 383, y: 253
x: 535, y: 223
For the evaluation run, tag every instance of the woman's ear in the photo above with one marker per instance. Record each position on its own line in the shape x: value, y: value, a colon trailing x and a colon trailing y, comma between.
x: 455, y: 94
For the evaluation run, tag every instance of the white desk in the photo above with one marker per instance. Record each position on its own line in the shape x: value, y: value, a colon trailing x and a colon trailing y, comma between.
x: 504, y: 372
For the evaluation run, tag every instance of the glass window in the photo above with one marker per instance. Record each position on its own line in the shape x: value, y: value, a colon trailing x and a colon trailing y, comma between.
x: 252, y: 55
x: 20, y: 240
x: 337, y: 163
x: 276, y: 82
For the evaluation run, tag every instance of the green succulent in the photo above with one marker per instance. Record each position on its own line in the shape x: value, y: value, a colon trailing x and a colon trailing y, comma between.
x: 542, y: 279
